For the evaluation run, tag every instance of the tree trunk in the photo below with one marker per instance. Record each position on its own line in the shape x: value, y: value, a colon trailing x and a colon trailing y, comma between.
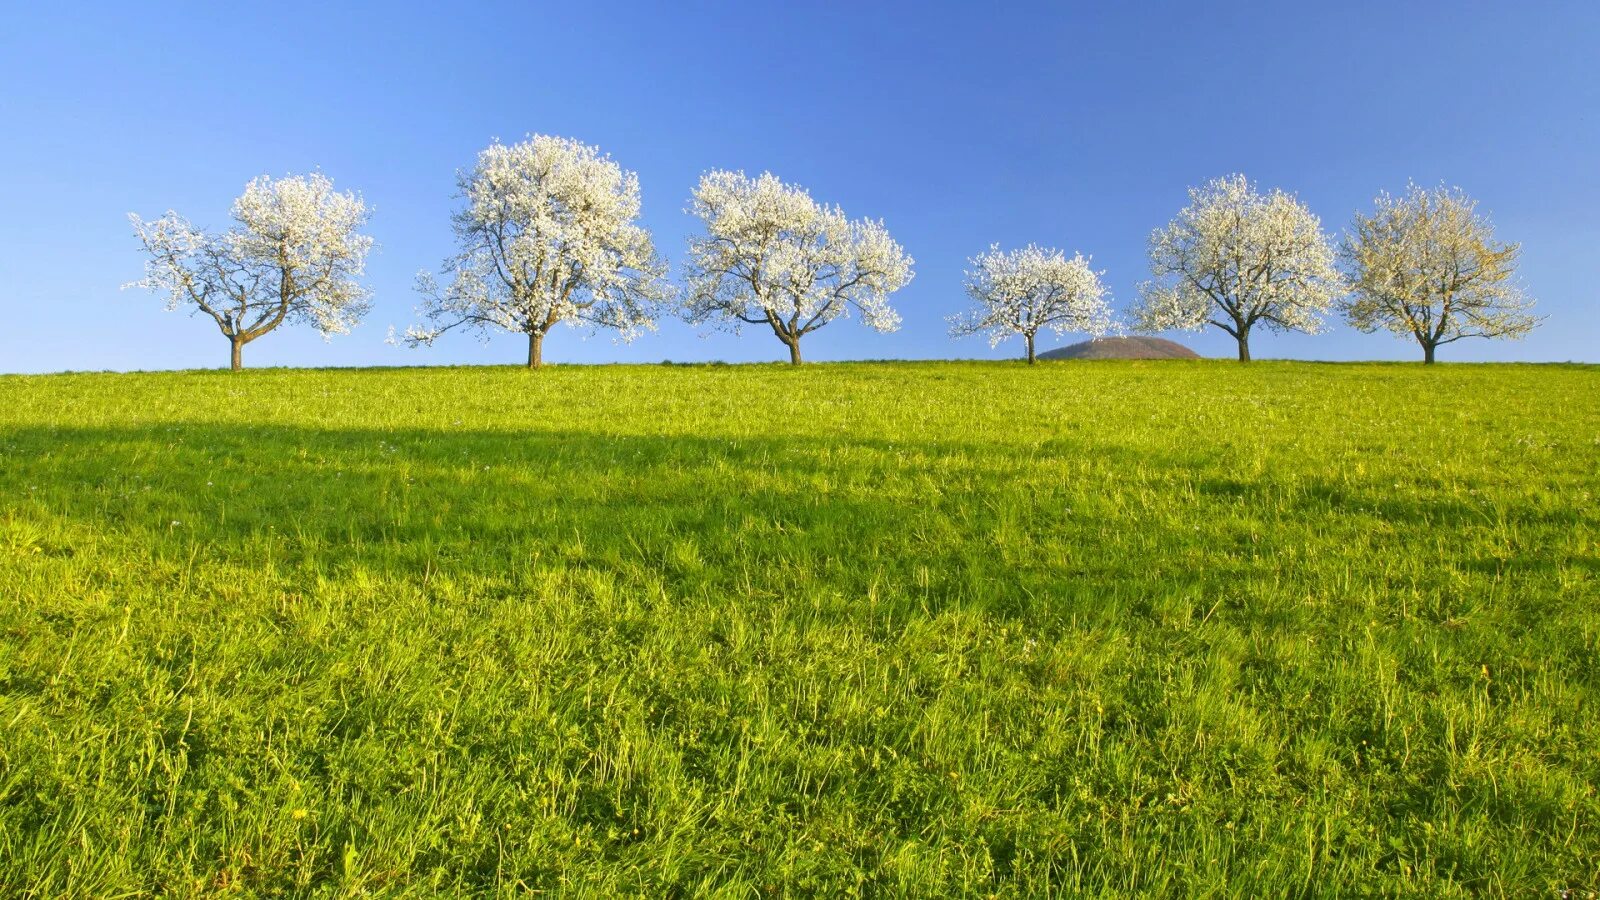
x: 238, y: 360
x: 1427, y: 354
x: 535, y: 349
x: 794, y: 352
x: 1244, y: 346
x: 1031, y: 358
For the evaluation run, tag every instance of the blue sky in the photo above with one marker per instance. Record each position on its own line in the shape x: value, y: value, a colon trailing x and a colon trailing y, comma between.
x: 1072, y: 125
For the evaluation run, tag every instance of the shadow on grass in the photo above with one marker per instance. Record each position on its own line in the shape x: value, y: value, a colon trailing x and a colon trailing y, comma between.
x: 756, y: 517
x: 953, y: 518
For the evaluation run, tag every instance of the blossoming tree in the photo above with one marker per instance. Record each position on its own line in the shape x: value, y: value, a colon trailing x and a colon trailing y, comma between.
x: 294, y: 256
x: 548, y: 233
x: 1020, y: 292
x: 1427, y: 266
x: 771, y: 255
x: 1235, y: 258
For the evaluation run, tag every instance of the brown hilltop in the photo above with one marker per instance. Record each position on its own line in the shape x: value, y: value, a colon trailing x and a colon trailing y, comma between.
x: 1123, y: 348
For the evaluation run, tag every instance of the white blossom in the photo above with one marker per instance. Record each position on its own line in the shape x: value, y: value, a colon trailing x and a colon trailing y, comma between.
x: 294, y: 255
x: 1020, y: 292
x: 1427, y: 266
x: 771, y: 255
x: 1235, y: 258
x: 548, y: 233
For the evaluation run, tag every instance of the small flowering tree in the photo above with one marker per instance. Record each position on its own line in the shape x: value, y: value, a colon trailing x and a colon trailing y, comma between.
x: 1234, y: 258
x: 1020, y: 292
x: 1427, y: 266
x: 548, y: 234
x: 771, y: 255
x: 294, y: 256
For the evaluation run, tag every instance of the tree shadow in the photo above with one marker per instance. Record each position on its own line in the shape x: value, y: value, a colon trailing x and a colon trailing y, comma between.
x: 755, y: 516
x: 1331, y: 496
x: 769, y: 515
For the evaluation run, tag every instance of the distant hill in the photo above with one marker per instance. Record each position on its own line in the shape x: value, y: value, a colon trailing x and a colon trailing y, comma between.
x: 1123, y: 348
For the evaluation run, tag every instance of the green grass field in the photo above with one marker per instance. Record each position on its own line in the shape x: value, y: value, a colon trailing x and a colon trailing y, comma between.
x: 880, y: 629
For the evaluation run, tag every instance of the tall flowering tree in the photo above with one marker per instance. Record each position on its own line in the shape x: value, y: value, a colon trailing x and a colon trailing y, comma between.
x: 1021, y: 292
x: 548, y: 233
x: 294, y: 254
x: 772, y: 256
x: 1234, y: 259
x: 1427, y: 266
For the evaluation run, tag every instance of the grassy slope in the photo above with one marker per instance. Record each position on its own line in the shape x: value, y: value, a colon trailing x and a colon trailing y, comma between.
x: 888, y: 628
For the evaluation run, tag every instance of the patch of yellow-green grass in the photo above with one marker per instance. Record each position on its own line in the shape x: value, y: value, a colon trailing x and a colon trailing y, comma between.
x: 902, y: 628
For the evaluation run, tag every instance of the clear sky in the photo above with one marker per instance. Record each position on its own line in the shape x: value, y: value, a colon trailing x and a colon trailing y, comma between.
x: 1077, y: 125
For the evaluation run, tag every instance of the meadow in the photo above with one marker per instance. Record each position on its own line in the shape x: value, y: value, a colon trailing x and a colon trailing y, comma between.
x: 884, y: 629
